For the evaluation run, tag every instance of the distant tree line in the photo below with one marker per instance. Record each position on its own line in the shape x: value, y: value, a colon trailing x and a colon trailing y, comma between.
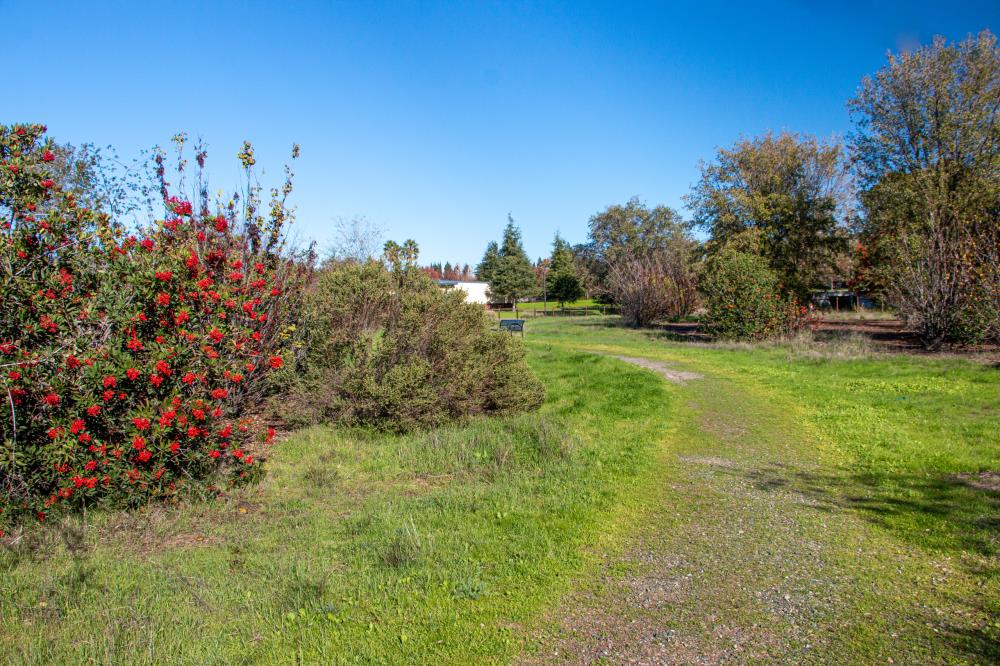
x: 450, y: 271
x: 906, y: 211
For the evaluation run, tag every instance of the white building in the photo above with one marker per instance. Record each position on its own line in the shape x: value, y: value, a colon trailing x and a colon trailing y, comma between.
x: 475, y: 292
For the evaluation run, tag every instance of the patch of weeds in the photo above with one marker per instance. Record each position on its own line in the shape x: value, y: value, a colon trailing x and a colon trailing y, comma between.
x: 320, y: 478
x: 36, y: 543
x: 236, y: 556
x: 79, y: 578
x: 502, y: 456
x: 358, y: 524
x: 304, y: 588
x: 550, y: 440
x: 27, y: 544
x: 488, y: 447
x: 830, y: 345
x: 470, y: 587
x: 404, y: 548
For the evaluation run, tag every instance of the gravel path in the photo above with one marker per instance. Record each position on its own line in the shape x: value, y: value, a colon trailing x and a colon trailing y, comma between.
x: 670, y: 374
x: 742, y: 560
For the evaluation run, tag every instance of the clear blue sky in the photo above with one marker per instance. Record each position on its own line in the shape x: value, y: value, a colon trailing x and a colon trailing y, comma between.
x: 436, y: 119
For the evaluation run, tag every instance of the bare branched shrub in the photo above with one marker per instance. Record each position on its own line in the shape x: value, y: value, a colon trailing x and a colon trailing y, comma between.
x: 931, y: 289
x: 652, y: 286
x: 357, y: 239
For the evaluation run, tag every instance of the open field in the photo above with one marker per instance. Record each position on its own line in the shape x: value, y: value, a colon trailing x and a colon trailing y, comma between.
x: 713, y: 503
x: 552, y: 305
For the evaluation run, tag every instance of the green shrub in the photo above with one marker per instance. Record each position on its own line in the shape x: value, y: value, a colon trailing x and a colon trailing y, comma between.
x: 744, y: 298
x: 386, y: 347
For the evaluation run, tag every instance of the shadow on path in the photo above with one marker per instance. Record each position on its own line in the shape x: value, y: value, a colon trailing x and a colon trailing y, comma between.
x: 954, y: 515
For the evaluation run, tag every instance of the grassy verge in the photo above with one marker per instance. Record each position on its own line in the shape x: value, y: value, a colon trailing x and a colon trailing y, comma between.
x: 359, y: 547
x: 583, y: 307
x: 552, y: 305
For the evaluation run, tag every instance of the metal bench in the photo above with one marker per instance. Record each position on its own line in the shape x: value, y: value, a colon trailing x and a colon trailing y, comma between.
x: 512, y: 326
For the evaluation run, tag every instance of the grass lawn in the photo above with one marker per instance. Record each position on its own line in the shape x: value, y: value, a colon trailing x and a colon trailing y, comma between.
x: 539, y: 305
x: 787, y: 506
x: 536, y: 308
x: 900, y: 424
x: 358, y: 547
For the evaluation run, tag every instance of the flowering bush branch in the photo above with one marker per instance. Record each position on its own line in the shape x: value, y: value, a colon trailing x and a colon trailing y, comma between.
x: 132, y: 362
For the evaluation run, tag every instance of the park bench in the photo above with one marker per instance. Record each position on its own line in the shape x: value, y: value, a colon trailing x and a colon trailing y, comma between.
x: 512, y: 326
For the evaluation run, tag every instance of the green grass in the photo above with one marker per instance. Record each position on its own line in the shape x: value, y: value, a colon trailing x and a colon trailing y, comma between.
x: 537, y: 308
x: 460, y: 545
x: 438, y: 547
x: 538, y: 305
x: 828, y: 480
x: 900, y: 427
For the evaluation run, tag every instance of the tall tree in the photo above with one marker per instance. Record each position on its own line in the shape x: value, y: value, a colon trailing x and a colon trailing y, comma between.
x: 562, y: 278
x: 927, y: 146
x: 513, y: 277
x: 633, y: 229
x: 491, y: 259
x: 794, y: 189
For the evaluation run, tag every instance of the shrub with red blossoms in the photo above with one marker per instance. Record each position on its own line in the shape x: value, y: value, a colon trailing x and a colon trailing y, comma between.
x: 118, y: 352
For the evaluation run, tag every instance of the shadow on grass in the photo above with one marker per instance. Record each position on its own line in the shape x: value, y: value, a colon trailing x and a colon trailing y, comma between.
x: 948, y: 514
x: 681, y: 331
x: 945, y: 513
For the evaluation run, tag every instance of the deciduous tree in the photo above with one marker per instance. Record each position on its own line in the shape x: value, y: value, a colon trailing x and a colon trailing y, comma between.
x: 927, y: 146
x: 794, y: 189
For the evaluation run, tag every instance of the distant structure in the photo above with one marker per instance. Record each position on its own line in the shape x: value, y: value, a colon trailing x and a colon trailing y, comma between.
x: 475, y: 292
x: 841, y: 299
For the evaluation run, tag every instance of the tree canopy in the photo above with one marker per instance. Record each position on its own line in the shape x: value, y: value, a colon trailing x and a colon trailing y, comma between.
x: 489, y: 263
x: 927, y: 146
x: 507, y: 267
x: 633, y: 228
x: 793, y: 188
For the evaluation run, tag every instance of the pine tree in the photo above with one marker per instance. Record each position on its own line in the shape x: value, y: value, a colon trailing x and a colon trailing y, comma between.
x: 486, y: 267
x: 513, y: 277
x: 563, y: 281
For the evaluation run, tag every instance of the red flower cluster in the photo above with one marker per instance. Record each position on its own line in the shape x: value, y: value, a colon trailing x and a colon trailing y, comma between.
x: 99, y: 313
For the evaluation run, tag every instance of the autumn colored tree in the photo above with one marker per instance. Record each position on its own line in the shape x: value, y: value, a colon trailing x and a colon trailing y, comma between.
x: 927, y: 146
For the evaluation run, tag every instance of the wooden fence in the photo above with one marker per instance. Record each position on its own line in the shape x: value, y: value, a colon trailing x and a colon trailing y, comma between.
x: 592, y: 310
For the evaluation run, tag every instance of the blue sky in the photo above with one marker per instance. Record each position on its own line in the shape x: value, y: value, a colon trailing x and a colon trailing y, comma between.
x: 436, y: 119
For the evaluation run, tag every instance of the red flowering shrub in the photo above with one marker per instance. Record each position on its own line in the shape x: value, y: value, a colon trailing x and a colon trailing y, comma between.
x: 130, y: 363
